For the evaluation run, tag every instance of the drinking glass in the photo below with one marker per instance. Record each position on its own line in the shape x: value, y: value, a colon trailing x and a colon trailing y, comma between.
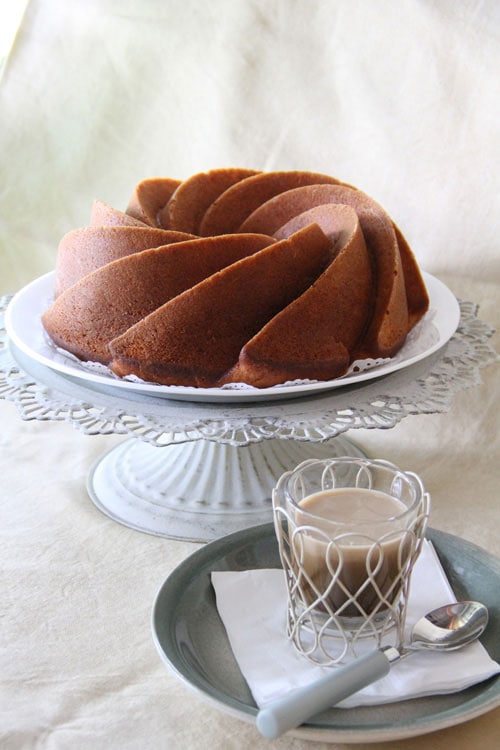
x: 349, y: 532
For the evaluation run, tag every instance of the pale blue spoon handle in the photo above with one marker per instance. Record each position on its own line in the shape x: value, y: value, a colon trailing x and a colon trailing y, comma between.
x: 293, y: 709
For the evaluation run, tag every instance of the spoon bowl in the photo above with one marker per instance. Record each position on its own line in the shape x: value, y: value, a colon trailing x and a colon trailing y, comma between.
x: 450, y: 627
x: 446, y: 628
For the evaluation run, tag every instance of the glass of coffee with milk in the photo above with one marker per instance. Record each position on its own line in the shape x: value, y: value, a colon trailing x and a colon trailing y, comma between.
x: 349, y: 532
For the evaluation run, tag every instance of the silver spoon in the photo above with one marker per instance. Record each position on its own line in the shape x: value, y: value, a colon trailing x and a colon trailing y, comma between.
x: 444, y: 629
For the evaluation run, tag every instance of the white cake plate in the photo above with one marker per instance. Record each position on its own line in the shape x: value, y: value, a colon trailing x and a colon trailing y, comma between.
x: 198, y: 470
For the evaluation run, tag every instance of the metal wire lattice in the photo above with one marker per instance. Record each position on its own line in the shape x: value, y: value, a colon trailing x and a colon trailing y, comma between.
x: 350, y: 589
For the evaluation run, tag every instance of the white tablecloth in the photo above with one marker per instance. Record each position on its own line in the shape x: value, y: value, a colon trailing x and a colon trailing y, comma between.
x: 400, y: 99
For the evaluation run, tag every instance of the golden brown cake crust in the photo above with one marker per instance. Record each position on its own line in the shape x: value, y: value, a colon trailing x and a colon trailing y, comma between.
x: 389, y: 325
x: 149, y: 198
x: 82, y: 251
x: 189, y: 202
x: 230, y: 210
x: 197, y: 336
x: 103, y: 215
x: 105, y: 303
x: 327, y: 320
x: 210, y: 305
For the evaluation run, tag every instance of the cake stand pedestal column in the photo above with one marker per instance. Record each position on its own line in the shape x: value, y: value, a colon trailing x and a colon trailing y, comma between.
x: 198, y: 490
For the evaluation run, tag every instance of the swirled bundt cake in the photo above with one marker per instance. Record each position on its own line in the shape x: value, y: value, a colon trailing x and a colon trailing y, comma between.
x: 235, y: 275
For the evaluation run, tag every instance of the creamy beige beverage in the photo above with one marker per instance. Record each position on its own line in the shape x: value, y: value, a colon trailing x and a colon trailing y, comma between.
x: 352, y: 543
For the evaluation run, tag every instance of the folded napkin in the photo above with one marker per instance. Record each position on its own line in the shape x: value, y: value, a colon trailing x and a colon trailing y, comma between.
x: 252, y: 606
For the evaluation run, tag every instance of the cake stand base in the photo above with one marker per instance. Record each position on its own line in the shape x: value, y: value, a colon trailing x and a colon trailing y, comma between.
x: 200, y: 490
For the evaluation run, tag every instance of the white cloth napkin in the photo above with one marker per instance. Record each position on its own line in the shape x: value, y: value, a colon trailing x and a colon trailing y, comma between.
x: 252, y: 605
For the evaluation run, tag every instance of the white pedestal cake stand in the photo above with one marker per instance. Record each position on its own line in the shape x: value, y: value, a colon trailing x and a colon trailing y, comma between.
x: 199, y: 470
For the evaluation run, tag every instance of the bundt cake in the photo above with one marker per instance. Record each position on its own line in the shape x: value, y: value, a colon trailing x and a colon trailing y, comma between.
x: 235, y: 275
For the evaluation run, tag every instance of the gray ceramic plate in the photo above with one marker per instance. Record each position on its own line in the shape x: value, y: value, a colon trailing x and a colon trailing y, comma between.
x: 191, y: 639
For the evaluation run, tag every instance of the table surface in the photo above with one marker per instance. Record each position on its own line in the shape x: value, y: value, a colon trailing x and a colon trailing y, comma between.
x: 78, y: 665
x: 78, y: 588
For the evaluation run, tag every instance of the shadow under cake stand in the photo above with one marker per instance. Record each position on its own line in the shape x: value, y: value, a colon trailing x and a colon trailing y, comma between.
x: 197, y: 470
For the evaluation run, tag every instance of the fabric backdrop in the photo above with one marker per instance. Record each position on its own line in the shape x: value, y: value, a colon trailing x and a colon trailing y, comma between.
x: 400, y: 98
